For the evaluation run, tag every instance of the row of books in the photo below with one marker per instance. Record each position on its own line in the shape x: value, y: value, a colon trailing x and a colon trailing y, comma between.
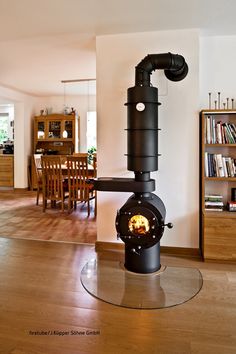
x: 217, y: 165
x: 214, y: 202
x: 218, y: 132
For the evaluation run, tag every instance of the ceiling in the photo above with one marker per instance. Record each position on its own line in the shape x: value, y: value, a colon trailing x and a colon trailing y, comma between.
x: 44, y: 42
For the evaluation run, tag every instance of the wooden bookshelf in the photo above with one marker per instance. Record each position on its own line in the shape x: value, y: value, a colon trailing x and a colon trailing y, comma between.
x: 229, y: 179
x: 218, y: 228
x: 220, y: 145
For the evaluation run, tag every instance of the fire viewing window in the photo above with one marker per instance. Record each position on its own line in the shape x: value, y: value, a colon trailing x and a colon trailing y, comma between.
x: 139, y: 225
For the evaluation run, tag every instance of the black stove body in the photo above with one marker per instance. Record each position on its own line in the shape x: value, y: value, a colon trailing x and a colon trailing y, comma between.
x: 140, y: 222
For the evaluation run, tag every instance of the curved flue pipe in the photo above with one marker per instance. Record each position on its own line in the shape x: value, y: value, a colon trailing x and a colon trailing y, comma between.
x: 174, y: 66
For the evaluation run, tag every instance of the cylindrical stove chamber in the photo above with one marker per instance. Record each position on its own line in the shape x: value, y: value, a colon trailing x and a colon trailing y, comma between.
x: 140, y: 225
x: 142, y: 128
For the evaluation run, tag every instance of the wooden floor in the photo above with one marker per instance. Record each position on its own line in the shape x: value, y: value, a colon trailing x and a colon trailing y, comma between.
x: 41, y: 298
x: 20, y: 217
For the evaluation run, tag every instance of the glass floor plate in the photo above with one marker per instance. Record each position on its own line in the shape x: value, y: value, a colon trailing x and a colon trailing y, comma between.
x: 111, y: 282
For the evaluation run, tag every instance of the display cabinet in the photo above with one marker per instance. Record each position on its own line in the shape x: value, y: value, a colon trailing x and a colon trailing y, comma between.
x: 56, y: 134
x: 217, y: 184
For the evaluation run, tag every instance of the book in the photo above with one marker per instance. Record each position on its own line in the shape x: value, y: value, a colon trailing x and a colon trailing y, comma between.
x: 219, y: 133
x: 213, y: 197
x: 208, y: 130
x: 219, y: 166
x: 206, y: 165
x: 213, y: 203
x: 214, y: 209
x: 224, y: 167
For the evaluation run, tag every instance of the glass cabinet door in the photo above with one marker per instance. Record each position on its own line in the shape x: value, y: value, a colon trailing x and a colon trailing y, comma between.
x: 54, y: 129
x: 41, y: 130
x: 69, y: 128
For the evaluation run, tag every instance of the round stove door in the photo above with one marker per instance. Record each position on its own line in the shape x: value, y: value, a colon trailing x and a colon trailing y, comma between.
x: 139, y: 225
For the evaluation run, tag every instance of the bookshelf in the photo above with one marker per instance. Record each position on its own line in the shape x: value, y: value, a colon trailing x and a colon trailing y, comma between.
x: 217, y: 178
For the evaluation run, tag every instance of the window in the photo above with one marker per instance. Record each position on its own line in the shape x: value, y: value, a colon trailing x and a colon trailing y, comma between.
x: 91, y: 130
x: 4, y: 127
x: 6, y: 122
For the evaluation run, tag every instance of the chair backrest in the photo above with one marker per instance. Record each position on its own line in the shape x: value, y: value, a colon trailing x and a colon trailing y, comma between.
x: 77, y: 175
x: 80, y: 154
x: 63, y: 159
x: 52, y: 177
x: 38, y: 166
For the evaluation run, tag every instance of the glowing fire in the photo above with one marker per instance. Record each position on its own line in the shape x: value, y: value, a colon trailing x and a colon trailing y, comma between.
x: 138, y: 225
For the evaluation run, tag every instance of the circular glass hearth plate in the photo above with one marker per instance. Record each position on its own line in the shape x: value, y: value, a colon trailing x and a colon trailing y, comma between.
x: 111, y: 282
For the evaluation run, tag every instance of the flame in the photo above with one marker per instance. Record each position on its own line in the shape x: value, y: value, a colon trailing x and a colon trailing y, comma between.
x: 138, y: 225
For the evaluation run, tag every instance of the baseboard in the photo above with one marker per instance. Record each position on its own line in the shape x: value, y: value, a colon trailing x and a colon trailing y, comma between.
x: 7, y: 189
x: 181, y: 251
x: 102, y: 246
x: 21, y: 189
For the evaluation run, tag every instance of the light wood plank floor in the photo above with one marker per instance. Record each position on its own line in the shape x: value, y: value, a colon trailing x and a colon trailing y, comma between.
x: 20, y: 217
x: 40, y: 290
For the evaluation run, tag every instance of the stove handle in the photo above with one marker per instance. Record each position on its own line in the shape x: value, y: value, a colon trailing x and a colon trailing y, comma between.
x: 169, y: 225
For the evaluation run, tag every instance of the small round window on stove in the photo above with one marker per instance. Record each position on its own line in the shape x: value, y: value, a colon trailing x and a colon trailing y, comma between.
x: 139, y: 225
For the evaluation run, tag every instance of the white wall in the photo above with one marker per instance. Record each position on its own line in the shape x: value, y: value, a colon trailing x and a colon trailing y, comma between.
x: 217, y: 74
x: 81, y: 103
x: 23, y: 112
x: 177, y: 178
x: 217, y: 69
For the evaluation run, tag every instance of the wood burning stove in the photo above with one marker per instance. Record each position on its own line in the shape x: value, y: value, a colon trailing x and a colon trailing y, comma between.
x: 140, y: 222
x: 141, y: 282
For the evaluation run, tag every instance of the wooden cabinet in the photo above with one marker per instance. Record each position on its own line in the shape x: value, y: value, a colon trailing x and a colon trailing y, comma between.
x: 217, y: 178
x: 220, y: 236
x: 6, y: 170
x: 56, y: 133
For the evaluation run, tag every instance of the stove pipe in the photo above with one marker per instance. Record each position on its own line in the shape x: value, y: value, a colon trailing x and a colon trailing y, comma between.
x: 142, y: 112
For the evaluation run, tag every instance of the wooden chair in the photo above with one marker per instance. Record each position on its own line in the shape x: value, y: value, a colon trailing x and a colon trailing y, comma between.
x: 54, y: 184
x: 78, y: 173
x: 38, y: 173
